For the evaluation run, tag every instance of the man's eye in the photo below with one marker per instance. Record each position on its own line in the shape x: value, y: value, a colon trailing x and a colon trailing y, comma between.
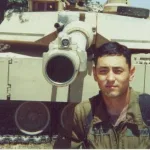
x: 118, y: 71
x: 103, y: 71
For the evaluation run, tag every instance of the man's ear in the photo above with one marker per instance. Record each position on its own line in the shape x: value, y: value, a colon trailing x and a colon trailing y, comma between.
x: 94, y: 73
x: 132, y: 72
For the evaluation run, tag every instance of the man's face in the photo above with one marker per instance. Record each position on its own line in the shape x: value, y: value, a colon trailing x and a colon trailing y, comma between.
x: 113, y: 75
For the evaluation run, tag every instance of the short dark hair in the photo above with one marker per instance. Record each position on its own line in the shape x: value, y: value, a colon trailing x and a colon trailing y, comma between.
x: 113, y: 48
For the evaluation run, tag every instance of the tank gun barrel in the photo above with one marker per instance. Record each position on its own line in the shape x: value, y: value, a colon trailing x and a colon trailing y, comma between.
x: 67, y: 54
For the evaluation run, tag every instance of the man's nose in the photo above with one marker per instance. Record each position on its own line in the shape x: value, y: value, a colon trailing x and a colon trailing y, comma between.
x: 110, y: 76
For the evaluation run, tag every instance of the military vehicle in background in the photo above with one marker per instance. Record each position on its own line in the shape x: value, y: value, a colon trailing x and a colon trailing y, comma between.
x: 46, y: 58
x: 94, y: 7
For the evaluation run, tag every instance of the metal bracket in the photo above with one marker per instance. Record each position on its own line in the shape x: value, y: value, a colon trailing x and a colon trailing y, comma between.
x: 8, y: 91
x: 10, y: 61
x: 9, y: 85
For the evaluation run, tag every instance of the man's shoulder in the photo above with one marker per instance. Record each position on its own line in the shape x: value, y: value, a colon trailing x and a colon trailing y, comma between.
x: 87, y: 105
x: 78, y: 109
x: 134, y: 95
x: 81, y: 109
x: 75, y: 113
x: 138, y: 94
x: 84, y: 104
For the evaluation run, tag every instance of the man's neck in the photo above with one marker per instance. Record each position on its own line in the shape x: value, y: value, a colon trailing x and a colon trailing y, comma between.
x: 116, y: 105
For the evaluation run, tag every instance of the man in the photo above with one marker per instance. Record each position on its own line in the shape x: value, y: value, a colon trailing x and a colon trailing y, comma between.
x: 111, y: 119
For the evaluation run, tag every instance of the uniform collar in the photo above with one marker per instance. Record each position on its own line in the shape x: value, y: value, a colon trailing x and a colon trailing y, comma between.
x: 100, y: 111
x: 133, y: 112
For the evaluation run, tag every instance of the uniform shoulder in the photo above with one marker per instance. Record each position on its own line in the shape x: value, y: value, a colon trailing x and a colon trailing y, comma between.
x: 77, y: 111
x: 84, y: 108
x: 83, y: 105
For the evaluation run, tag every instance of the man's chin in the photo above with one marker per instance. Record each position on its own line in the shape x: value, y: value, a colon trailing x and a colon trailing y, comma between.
x: 112, y: 94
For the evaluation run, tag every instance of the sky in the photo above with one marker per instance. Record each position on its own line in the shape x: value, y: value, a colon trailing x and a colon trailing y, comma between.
x: 135, y: 3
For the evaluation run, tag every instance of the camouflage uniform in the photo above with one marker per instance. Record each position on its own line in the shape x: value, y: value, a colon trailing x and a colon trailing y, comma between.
x: 79, y: 124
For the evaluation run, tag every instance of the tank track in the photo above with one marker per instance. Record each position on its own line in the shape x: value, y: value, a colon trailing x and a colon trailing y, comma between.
x: 24, y: 139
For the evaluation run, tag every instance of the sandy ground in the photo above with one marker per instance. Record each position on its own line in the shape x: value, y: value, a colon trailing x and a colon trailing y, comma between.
x: 26, y: 146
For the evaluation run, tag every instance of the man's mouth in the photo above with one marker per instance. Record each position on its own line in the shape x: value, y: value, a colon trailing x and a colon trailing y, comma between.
x: 111, y: 86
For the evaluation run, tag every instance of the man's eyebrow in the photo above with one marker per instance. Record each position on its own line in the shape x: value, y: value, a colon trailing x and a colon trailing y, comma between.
x: 118, y: 67
x: 102, y: 67
x: 114, y: 67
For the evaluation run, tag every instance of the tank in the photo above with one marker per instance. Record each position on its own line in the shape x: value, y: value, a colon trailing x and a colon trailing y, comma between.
x: 46, y: 59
